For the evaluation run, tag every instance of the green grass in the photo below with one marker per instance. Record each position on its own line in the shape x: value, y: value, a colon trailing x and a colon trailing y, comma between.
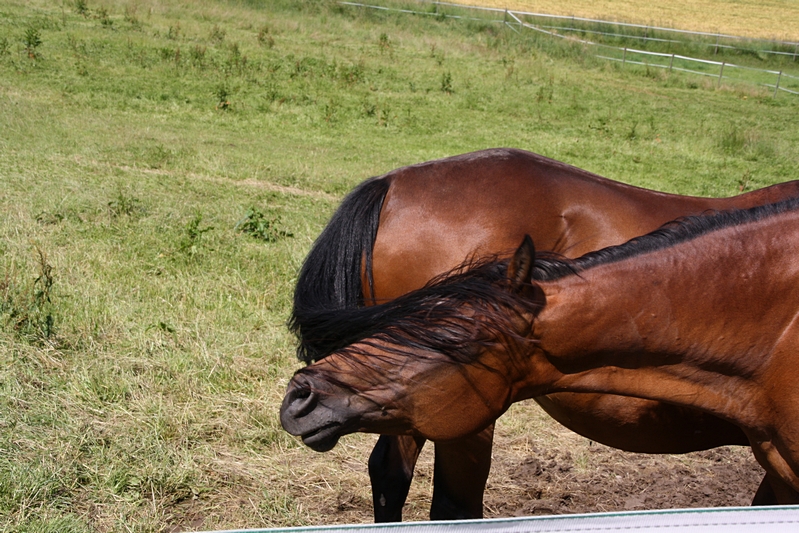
x: 164, y: 168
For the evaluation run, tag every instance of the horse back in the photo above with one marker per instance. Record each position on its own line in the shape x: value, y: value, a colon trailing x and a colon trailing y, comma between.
x: 438, y: 214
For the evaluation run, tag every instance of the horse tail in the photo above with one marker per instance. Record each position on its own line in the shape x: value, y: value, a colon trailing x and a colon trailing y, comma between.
x: 330, y: 277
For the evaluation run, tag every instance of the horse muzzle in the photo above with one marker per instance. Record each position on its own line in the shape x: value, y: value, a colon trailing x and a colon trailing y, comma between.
x: 312, y: 414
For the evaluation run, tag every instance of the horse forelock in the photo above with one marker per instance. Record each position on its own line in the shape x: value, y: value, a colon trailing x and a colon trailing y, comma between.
x: 453, y: 316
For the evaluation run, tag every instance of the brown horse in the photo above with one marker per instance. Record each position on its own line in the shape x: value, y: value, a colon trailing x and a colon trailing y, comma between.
x: 701, y: 314
x: 394, y: 233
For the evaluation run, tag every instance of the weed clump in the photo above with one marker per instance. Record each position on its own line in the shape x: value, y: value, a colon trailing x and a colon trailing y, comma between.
x: 222, y: 93
x: 124, y: 205
x: 32, y: 39
x: 81, y: 7
x: 29, y: 308
x: 174, y: 32
x: 217, y: 34
x: 384, y: 43
x: 446, y: 83
x: 264, y: 38
x: 256, y: 224
x: 197, y: 55
x: 104, y: 18
x: 131, y: 17
x: 192, y: 234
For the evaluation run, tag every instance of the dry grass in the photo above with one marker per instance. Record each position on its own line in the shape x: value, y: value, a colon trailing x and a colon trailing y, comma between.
x: 538, y: 467
x: 769, y: 19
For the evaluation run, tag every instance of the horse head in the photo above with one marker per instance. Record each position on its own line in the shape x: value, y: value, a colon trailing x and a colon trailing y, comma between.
x: 440, y: 362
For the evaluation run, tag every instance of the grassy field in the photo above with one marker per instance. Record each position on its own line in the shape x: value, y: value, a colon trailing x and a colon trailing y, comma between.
x: 164, y: 168
x: 772, y: 19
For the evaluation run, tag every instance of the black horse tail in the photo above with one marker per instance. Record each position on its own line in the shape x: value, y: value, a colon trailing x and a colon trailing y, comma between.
x: 330, y: 277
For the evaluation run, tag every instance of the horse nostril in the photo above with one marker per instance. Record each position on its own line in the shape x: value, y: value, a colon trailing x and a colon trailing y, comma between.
x: 302, y: 400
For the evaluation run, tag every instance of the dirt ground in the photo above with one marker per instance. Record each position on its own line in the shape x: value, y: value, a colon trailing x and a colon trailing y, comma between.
x: 557, y: 481
x: 538, y: 467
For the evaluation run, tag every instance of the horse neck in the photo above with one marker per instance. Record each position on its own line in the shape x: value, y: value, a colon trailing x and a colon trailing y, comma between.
x: 640, y: 326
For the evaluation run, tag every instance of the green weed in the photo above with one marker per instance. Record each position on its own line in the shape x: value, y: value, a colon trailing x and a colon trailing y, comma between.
x: 190, y: 241
x: 197, y: 56
x: 256, y: 224
x: 174, y: 32
x: 217, y: 34
x: 105, y: 19
x: 222, y: 93
x: 124, y: 205
x: 446, y: 83
x: 81, y: 7
x: 32, y: 40
x: 29, y: 307
x: 130, y: 16
x: 384, y: 43
x: 264, y: 38
x: 743, y: 181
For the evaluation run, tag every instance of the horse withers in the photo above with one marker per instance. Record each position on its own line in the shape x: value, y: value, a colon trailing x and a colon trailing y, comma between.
x: 396, y: 232
x: 700, y: 314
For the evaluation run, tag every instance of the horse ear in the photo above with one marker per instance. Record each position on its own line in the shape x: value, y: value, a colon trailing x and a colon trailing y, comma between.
x: 520, y: 268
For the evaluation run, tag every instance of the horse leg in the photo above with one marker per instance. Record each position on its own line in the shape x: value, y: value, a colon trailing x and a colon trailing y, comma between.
x: 782, y: 492
x: 460, y: 474
x: 391, y: 470
x: 765, y: 493
x: 774, y: 491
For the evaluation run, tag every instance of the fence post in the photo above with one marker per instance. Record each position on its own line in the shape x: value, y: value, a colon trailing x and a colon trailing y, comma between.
x: 624, y: 57
x: 777, y: 86
x: 671, y: 63
x: 721, y: 72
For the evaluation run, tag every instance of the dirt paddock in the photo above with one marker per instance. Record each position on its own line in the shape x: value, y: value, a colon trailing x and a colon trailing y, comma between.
x: 538, y: 467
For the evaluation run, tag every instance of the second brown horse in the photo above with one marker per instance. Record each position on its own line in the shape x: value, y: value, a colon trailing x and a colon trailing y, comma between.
x: 700, y: 314
x: 394, y: 233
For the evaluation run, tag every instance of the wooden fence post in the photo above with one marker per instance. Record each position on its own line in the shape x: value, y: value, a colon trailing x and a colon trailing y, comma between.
x: 777, y: 86
x: 671, y: 62
x: 721, y: 72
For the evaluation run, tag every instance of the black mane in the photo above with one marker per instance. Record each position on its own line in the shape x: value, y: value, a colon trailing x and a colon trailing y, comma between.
x: 549, y: 267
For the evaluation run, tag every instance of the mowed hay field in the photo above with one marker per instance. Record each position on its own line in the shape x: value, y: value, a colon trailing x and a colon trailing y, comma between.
x: 165, y: 167
x: 773, y: 19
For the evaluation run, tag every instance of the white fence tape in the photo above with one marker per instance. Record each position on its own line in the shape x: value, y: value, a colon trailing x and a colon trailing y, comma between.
x: 783, y: 519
